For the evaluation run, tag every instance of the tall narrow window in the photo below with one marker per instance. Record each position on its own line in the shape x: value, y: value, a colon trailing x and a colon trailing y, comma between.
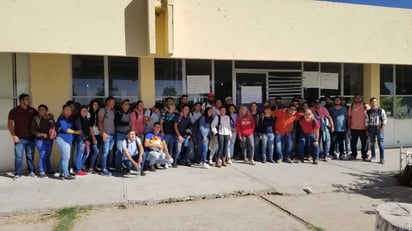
x: 124, y: 78
x: 168, y: 77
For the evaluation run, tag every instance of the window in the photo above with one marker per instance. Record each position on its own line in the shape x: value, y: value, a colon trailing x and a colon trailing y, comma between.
x: 199, y: 67
x: 223, y: 79
x: 403, y: 80
x: 14, y: 80
x: 352, y: 78
x: 89, y: 78
x: 168, y: 77
x: 331, y: 68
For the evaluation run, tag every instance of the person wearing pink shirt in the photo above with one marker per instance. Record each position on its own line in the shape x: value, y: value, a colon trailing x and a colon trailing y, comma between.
x: 357, y: 128
x: 137, y: 119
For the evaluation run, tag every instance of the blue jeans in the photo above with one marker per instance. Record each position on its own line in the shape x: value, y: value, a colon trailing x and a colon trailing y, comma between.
x: 107, y: 148
x: 284, y: 141
x: 183, y: 149
x: 324, y: 142
x: 45, y: 149
x: 81, y: 154
x: 205, y: 148
x: 231, y: 146
x: 373, y: 134
x: 119, y: 150
x: 128, y: 164
x: 308, y: 139
x: 64, y: 149
x: 171, y: 143
x: 256, y: 141
x: 24, y: 145
x: 223, y: 143
x: 359, y: 134
x: 268, y: 140
x: 248, y: 147
x: 95, y: 149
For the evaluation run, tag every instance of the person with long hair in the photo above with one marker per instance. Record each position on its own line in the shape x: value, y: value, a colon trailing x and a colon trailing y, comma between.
x: 204, y: 127
x: 245, y: 127
x: 40, y: 127
x: 221, y: 128
x: 137, y: 123
x: 231, y: 146
x: 82, y: 140
x: 64, y: 140
x: 95, y: 136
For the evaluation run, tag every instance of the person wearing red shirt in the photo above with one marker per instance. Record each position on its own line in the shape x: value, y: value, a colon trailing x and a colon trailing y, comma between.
x: 309, y: 135
x: 245, y: 124
x: 283, y: 136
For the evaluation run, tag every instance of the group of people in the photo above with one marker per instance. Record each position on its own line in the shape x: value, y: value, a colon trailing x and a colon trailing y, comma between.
x: 208, y: 133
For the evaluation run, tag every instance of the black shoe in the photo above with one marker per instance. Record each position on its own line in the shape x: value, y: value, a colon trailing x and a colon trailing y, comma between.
x: 188, y: 164
x: 315, y: 161
x: 263, y: 161
x: 152, y: 169
x: 174, y: 165
x: 271, y: 161
x: 142, y: 173
x: 50, y: 172
x: 43, y: 175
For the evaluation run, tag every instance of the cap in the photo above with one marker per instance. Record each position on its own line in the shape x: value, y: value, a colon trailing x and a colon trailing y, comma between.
x: 228, y: 98
x: 317, y: 100
x: 211, y: 94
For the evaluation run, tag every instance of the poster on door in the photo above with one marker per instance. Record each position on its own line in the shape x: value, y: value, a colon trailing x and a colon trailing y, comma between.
x: 251, y: 94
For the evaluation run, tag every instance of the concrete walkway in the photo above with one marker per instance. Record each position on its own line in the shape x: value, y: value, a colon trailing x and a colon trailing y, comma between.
x: 344, y: 192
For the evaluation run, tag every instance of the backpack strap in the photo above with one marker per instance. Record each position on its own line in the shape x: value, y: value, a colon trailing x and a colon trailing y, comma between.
x: 37, y: 118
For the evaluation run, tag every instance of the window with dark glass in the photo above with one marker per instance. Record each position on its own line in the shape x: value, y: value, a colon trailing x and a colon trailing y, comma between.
x: 386, y: 80
x: 88, y: 76
x: 352, y: 78
x: 403, y: 80
x: 168, y: 77
x: 223, y: 79
x: 123, y: 77
x: 331, y: 68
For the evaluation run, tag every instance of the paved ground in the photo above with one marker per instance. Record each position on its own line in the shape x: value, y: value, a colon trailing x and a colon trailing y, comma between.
x: 345, y: 194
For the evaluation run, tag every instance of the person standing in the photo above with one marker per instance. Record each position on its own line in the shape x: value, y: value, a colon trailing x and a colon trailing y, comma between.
x: 94, y: 134
x: 122, y: 126
x: 204, y: 129
x: 167, y: 122
x: 339, y: 115
x: 107, y: 131
x: 321, y: 114
x: 309, y: 136
x: 181, y: 126
x: 19, y: 125
x: 357, y: 128
x: 375, y: 123
x: 254, y: 111
x: 221, y: 128
x: 266, y: 134
x: 137, y: 119
x: 64, y: 140
x: 245, y: 124
x: 40, y: 127
x: 231, y: 146
x: 82, y: 141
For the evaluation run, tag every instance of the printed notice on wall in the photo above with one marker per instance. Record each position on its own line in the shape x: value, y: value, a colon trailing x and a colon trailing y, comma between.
x: 198, y: 84
x: 311, y: 79
x: 329, y: 80
x: 251, y: 94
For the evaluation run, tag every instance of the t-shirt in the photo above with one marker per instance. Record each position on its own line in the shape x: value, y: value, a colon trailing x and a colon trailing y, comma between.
x: 169, y: 122
x: 108, y: 120
x: 63, y: 124
x: 284, y: 121
x: 153, y: 139
x: 183, y: 123
x: 358, y: 115
x: 307, y: 126
x: 339, y: 118
x: 322, y: 112
x: 155, y: 118
x: 137, y: 122
x: 131, y: 146
x: 376, y: 118
x: 22, y: 120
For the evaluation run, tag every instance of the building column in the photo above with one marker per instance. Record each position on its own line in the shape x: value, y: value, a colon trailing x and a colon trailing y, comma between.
x: 147, y: 81
x: 371, y: 81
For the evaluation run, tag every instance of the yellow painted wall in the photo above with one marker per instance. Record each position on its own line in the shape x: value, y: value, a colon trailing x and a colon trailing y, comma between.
x: 51, y: 85
x: 371, y: 82
x: 101, y: 27
x: 147, y: 81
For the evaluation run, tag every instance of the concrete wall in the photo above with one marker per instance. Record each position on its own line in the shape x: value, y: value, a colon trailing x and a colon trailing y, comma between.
x: 74, y: 27
x: 291, y: 30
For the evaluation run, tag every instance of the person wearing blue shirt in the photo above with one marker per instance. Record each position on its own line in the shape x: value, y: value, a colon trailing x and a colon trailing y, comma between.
x: 64, y: 140
x: 339, y: 114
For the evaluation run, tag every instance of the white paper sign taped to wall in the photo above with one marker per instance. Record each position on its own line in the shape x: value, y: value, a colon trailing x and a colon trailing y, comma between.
x: 251, y: 94
x: 329, y: 80
x: 198, y: 84
x: 311, y: 79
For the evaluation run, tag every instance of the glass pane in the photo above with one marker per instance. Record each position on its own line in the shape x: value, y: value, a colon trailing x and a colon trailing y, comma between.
x: 88, y: 75
x: 352, y: 78
x: 308, y: 66
x: 223, y: 77
x: 22, y: 74
x: 403, y: 107
x: 6, y: 75
x: 86, y: 101
x: 168, y: 77
x: 331, y: 68
x: 386, y: 102
x: 403, y: 80
x: 386, y: 80
x: 268, y: 65
x: 123, y: 76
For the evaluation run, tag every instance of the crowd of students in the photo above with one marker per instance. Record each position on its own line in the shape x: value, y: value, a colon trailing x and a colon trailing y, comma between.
x: 211, y: 133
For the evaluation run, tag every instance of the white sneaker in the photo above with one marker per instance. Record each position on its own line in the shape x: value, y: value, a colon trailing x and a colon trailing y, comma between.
x: 166, y: 166
x: 230, y: 162
x: 205, y: 166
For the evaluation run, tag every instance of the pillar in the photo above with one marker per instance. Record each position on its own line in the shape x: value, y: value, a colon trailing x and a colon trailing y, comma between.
x: 147, y: 81
x: 371, y: 81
